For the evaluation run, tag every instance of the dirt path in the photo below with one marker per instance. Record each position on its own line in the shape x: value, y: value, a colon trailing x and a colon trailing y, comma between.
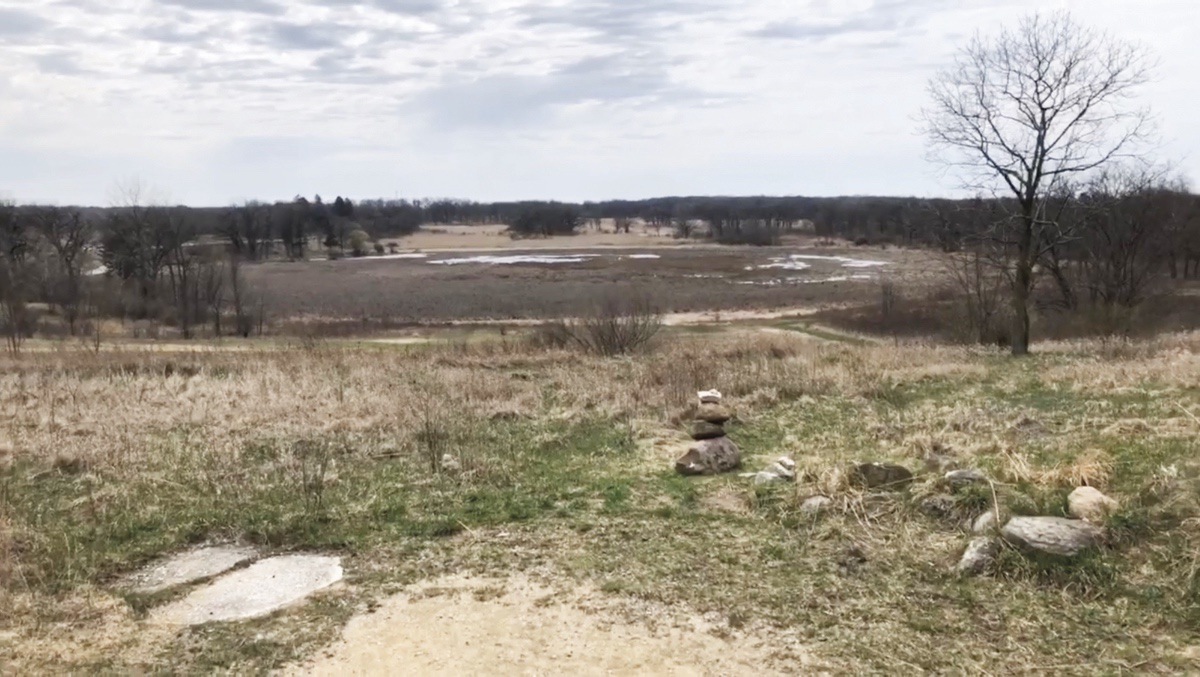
x: 470, y: 626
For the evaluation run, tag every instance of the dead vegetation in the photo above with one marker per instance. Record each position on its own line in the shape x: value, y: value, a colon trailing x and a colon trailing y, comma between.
x: 560, y: 464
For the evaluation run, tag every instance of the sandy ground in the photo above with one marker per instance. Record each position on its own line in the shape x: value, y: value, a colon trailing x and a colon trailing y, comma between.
x: 470, y: 626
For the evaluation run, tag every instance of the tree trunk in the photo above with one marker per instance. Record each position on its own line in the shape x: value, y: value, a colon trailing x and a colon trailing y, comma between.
x: 1020, y: 337
x: 1023, y: 282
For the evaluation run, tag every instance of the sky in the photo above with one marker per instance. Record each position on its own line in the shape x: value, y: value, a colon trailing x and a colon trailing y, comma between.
x: 213, y: 102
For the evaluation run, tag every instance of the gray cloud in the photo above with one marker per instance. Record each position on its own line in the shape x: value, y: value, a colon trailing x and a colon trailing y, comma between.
x: 266, y: 7
x: 801, y: 31
x: 59, y: 63
x: 287, y: 35
x: 678, y: 91
x: 519, y: 100
x: 895, y: 17
x: 409, y: 7
x: 617, y: 19
x: 19, y: 24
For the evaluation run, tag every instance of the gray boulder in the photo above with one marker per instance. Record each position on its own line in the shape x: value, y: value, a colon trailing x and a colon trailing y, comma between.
x: 703, y: 430
x: 710, y: 457
x: 815, y: 505
x: 881, y: 476
x: 985, y: 524
x: 979, y: 556
x: 964, y: 478
x: 713, y: 413
x: 1052, y: 535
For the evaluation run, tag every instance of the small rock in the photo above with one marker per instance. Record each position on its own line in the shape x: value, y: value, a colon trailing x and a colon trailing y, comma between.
x: 1052, y: 535
x: 815, y: 505
x: 985, y: 524
x: 783, y: 470
x: 962, y: 478
x: 784, y: 467
x: 703, y: 430
x: 1088, y: 503
x: 939, y: 505
x: 450, y: 464
x: 713, y: 413
x: 709, y: 396
x: 881, y: 476
x: 979, y: 557
x: 710, y: 457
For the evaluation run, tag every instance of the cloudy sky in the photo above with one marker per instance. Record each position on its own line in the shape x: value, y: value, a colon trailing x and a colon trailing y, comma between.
x: 214, y: 101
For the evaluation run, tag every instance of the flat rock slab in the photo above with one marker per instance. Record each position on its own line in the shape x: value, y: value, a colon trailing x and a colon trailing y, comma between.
x: 257, y: 590
x: 1052, y: 535
x: 189, y: 567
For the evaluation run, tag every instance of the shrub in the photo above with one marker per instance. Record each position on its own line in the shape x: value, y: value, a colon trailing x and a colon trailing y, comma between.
x: 617, y: 325
x: 359, y: 241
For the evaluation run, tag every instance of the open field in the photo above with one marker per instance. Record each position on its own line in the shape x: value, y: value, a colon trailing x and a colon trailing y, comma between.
x: 553, y: 282
x: 565, y: 506
x: 440, y: 237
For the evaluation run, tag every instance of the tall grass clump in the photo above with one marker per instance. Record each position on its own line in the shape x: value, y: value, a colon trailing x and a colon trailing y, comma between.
x: 616, y: 326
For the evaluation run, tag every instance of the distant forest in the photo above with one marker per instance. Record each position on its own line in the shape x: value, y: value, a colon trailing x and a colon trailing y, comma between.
x: 905, y: 221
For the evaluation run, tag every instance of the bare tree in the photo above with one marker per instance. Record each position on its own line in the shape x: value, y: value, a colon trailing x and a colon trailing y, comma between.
x: 69, y: 236
x: 15, y: 277
x: 212, y: 289
x: 248, y: 229
x: 1129, y: 211
x: 240, y: 298
x: 1025, y: 111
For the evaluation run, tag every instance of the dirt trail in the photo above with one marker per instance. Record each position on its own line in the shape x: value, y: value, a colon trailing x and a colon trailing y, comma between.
x: 467, y: 626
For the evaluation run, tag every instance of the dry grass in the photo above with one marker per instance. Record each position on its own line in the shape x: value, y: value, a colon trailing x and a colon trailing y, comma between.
x: 364, y: 294
x: 120, y: 456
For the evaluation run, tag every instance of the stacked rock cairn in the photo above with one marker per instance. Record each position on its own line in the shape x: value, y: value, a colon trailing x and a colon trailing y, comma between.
x: 713, y: 452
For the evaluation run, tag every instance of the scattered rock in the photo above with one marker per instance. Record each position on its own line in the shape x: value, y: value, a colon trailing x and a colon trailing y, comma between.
x: 713, y: 413
x: 985, y: 524
x: 963, y: 478
x: 703, y: 430
x: 783, y: 470
x: 709, y: 457
x: 189, y: 567
x: 939, y: 506
x: 815, y: 505
x: 979, y: 557
x: 264, y: 587
x: 881, y: 476
x: 1088, y: 503
x: 1052, y: 535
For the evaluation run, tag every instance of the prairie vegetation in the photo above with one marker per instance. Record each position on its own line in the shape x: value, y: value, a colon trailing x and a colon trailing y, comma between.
x: 526, y: 422
x: 564, y: 471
